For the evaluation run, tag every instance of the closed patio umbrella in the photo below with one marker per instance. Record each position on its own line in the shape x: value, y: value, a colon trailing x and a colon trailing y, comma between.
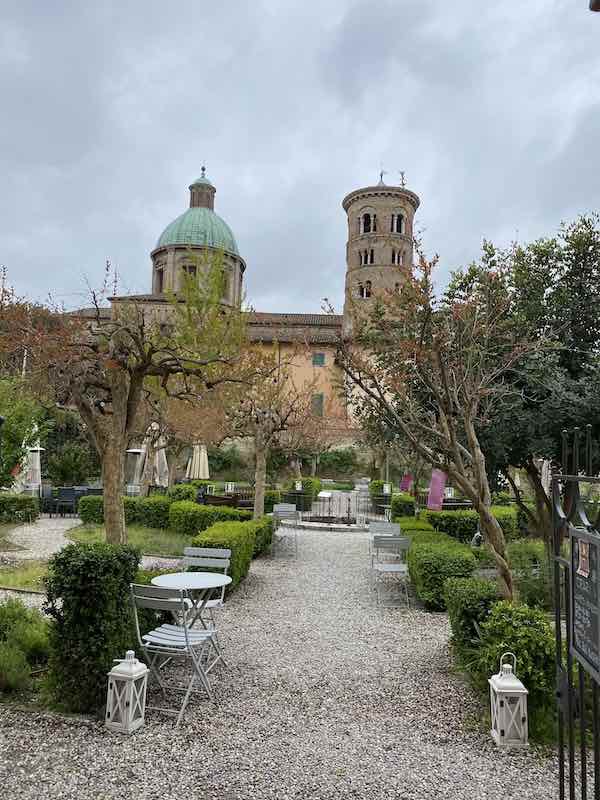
x: 197, y: 466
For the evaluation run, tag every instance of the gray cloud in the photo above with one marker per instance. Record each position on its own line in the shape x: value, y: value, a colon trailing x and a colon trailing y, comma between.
x: 110, y: 110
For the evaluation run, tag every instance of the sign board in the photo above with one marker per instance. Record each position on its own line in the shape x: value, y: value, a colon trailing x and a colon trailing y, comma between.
x: 387, y: 489
x: 436, y: 490
x: 585, y: 597
x: 298, y: 486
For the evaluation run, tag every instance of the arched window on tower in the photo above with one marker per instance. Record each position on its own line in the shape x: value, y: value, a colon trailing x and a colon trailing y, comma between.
x: 368, y: 289
x: 372, y: 257
x: 397, y: 288
x: 393, y: 256
x: 374, y: 223
x: 398, y: 222
x: 400, y: 258
x: 360, y: 258
x: 366, y: 257
x: 361, y: 290
x: 366, y: 223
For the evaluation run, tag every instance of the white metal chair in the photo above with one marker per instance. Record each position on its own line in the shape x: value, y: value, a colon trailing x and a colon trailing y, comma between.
x: 285, y: 511
x: 382, y: 529
x: 215, y: 559
x: 168, y: 642
x: 388, y: 559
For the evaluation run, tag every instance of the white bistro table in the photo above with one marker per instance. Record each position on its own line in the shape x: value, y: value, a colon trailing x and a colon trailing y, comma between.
x: 199, y: 585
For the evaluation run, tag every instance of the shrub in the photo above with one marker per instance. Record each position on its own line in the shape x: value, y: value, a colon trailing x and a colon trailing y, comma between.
x: 272, y: 496
x: 403, y: 505
x: 412, y: 524
x: 91, y: 509
x: 469, y: 601
x: 239, y: 537
x: 88, y: 597
x: 26, y: 629
x: 18, y: 508
x: 431, y: 561
x: 526, y: 632
x: 190, y: 518
x: 531, y: 572
x: 342, y: 461
x: 183, y: 491
x: 153, y: 511
x: 462, y: 525
x: 15, y: 673
x: 70, y: 465
x: 310, y: 486
x: 263, y: 534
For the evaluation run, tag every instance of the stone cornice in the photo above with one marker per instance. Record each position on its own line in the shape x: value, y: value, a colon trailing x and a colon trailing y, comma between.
x: 193, y: 248
x: 381, y: 191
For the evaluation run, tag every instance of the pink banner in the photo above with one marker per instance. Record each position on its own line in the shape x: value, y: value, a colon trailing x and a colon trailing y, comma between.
x: 406, y: 482
x: 436, y: 490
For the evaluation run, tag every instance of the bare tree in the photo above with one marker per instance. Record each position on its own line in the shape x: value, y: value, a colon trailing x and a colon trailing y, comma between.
x: 432, y: 373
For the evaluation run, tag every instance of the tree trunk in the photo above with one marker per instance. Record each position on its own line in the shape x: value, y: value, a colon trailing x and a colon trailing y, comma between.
x: 113, y: 475
x: 297, y: 467
x: 148, y: 472
x: 260, y: 474
x: 313, y: 466
x: 494, y: 536
x: 543, y: 506
x: 172, y: 469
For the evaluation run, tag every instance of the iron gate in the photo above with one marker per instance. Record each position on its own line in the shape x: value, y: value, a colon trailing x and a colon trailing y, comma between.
x: 576, y: 556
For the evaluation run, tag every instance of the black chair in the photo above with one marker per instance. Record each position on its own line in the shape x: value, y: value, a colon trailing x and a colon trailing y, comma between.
x: 66, y: 500
x: 46, y: 499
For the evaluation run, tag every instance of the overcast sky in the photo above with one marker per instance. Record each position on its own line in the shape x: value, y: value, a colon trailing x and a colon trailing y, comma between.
x: 110, y: 109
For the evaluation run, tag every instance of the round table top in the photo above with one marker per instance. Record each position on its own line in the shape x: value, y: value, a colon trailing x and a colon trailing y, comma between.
x: 191, y: 580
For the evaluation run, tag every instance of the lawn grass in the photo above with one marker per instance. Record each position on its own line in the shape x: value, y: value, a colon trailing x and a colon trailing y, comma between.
x: 5, y: 540
x: 154, y: 541
x: 27, y: 575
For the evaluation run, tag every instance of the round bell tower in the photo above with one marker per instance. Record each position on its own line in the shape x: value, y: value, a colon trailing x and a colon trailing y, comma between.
x: 380, y: 243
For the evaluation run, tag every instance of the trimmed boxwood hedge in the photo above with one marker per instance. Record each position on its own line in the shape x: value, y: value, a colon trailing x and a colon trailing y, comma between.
x: 263, y: 534
x: 239, y: 537
x: 183, y: 491
x: 462, y: 525
x: 18, y: 508
x: 153, y: 511
x: 403, y: 505
x: 432, y: 558
x: 88, y: 598
x: 190, y: 518
x: 469, y: 602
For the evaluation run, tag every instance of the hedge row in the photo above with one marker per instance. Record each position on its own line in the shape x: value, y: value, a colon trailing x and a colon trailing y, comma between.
x: 159, y: 511
x: 403, y: 505
x: 462, y: 525
x: 432, y: 558
x: 18, y: 508
x: 244, y: 539
x: 469, y: 601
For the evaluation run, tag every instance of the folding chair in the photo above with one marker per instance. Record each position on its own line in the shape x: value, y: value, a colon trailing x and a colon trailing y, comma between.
x: 215, y: 559
x: 382, y: 529
x: 168, y: 642
x: 389, y: 559
x: 283, y: 511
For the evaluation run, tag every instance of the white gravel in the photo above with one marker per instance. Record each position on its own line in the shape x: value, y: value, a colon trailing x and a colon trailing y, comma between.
x: 40, y: 539
x: 326, y: 696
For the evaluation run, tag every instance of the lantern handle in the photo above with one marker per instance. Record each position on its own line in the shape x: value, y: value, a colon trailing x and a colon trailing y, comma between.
x: 514, y: 660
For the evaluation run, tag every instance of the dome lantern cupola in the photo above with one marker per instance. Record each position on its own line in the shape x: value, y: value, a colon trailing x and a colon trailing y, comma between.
x: 202, y: 192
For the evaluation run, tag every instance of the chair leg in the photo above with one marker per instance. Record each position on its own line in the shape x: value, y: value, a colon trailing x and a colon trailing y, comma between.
x: 186, y: 699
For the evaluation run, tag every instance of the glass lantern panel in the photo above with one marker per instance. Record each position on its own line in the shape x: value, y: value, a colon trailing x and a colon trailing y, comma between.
x: 512, y: 717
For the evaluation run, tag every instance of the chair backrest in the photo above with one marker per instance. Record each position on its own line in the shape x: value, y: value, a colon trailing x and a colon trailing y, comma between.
x: 397, y: 545
x: 66, y: 493
x: 158, y: 599
x: 213, y: 558
x: 284, y: 509
x: 385, y: 528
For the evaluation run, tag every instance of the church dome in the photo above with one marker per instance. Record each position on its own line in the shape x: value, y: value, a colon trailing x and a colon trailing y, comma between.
x: 199, y: 227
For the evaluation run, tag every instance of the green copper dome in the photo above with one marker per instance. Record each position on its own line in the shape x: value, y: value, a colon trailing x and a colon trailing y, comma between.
x: 199, y: 227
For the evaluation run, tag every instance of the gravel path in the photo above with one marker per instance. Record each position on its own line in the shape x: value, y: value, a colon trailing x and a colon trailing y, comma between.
x: 326, y: 697
x: 40, y: 539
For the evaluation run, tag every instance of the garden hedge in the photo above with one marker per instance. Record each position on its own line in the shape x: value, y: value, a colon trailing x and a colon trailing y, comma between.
x: 263, y: 534
x: 183, y: 491
x: 24, y: 644
x: 88, y: 598
x: 272, y: 496
x: 432, y: 558
x: 18, y: 508
x: 239, y: 537
x: 190, y: 518
x: 413, y: 524
x: 153, y: 511
x: 469, y: 601
x: 91, y: 509
x: 403, y: 505
x: 462, y: 525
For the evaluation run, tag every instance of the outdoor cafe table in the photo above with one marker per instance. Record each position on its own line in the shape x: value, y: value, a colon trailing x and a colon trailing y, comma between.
x: 199, y: 585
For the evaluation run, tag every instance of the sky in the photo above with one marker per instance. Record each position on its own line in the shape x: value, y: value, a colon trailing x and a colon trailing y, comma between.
x: 110, y: 109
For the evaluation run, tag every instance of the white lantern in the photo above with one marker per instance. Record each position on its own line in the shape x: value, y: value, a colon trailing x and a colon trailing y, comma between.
x: 126, y: 699
x: 508, y: 699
